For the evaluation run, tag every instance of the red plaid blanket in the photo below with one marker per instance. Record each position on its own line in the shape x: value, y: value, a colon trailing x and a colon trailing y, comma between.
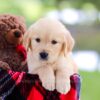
x: 24, y: 86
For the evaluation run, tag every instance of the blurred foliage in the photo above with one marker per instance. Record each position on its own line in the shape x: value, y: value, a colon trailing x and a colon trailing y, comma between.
x: 96, y: 3
x: 30, y: 9
x: 72, y: 3
x: 34, y: 9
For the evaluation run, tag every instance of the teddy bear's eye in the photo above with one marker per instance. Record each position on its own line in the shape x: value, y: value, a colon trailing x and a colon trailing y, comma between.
x: 38, y: 40
x: 54, y: 42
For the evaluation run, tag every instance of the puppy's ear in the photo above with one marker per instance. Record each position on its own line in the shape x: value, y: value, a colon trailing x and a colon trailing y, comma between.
x: 27, y: 41
x: 68, y: 43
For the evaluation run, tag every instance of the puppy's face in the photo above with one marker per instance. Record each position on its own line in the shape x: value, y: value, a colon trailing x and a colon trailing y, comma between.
x: 46, y: 47
x: 48, y: 40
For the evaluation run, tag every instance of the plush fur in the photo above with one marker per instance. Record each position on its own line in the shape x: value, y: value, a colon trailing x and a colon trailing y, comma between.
x: 12, y: 29
x: 53, y: 40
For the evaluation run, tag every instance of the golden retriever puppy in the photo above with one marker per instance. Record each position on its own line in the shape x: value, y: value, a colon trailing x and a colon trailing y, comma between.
x: 49, y: 46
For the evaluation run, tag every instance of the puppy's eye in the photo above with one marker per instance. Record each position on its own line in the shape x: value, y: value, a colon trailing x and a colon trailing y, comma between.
x: 38, y: 40
x: 54, y: 42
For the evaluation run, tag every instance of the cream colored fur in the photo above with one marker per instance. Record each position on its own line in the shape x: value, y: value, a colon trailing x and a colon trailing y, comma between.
x: 56, y: 71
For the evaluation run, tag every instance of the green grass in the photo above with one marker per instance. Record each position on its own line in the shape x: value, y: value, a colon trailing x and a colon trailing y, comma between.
x: 90, y: 89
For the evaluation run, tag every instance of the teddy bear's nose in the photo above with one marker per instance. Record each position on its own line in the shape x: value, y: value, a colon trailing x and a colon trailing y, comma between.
x: 17, y: 34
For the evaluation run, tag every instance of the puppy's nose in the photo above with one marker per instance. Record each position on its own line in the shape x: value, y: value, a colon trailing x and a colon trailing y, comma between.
x: 44, y: 55
x: 17, y: 34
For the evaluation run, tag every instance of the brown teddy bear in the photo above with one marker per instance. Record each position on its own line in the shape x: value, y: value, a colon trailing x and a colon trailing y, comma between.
x: 12, y: 53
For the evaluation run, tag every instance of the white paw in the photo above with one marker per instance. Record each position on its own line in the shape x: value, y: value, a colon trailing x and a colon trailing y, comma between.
x: 48, y: 83
x: 63, y: 86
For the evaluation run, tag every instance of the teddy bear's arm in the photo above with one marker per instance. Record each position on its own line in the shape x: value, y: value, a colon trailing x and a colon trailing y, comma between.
x: 4, y: 65
x: 24, y: 66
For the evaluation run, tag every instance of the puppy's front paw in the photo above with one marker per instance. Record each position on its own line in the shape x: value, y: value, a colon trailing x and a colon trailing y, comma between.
x: 48, y: 83
x: 47, y: 77
x: 63, y: 86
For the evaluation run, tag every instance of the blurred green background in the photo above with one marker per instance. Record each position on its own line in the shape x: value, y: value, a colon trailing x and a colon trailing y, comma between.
x: 82, y: 18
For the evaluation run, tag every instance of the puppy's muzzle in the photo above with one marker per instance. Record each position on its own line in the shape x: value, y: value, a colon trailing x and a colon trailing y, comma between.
x: 43, y: 55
